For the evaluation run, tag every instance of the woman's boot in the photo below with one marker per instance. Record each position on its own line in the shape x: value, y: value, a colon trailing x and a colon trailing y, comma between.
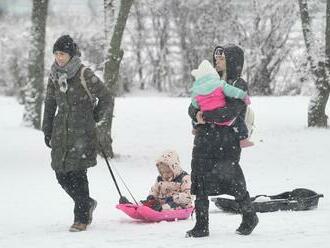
x: 249, y: 217
x: 201, y: 228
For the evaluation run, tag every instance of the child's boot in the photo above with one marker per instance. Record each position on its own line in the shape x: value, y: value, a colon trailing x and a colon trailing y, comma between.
x: 245, y: 143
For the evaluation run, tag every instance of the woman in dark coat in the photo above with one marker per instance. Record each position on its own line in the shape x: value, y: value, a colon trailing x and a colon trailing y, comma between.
x: 216, y: 153
x: 71, y: 131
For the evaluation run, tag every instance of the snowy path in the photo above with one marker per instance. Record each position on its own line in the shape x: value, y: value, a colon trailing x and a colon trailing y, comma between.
x: 36, y: 213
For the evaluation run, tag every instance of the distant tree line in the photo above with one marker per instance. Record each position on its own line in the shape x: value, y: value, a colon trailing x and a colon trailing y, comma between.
x: 165, y: 40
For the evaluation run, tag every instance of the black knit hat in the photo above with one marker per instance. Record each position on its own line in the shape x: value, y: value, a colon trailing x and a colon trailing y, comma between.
x: 66, y: 44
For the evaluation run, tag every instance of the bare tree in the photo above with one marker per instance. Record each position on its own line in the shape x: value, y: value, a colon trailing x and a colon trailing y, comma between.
x: 35, y: 85
x: 180, y: 12
x: 139, y: 42
x: 114, y: 56
x: 110, y: 14
x: 267, y: 42
x: 320, y: 68
x: 158, y: 53
x: 200, y: 26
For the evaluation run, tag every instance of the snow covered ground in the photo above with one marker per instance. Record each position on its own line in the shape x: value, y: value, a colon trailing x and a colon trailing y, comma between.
x: 36, y: 213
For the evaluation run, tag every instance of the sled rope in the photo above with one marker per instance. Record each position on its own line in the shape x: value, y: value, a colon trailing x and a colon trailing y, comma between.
x: 114, y: 179
x: 125, y: 185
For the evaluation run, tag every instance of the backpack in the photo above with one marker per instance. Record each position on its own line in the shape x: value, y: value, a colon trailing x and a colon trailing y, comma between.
x: 249, y: 117
x: 249, y: 120
x: 84, y: 84
x: 94, y: 100
x: 101, y: 135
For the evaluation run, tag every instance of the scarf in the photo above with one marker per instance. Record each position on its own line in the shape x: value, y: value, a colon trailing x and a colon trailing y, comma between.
x: 61, y: 74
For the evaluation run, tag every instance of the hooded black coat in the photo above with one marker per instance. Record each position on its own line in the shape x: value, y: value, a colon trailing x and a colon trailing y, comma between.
x: 216, y: 153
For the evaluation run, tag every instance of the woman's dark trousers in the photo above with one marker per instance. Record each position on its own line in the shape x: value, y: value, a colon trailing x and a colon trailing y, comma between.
x: 75, y: 184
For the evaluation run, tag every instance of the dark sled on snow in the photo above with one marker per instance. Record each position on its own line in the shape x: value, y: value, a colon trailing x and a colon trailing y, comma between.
x: 295, y: 200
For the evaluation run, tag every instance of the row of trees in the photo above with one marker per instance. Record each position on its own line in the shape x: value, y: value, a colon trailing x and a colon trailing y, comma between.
x: 174, y: 36
x: 165, y: 40
x: 263, y: 30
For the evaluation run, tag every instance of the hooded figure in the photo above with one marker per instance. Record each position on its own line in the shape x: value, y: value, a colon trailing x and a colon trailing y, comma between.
x: 234, y: 62
x: 172, y: 187
x: 216, y: 154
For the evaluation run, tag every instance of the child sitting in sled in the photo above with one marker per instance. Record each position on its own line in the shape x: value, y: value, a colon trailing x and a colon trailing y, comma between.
x: 172, y: 187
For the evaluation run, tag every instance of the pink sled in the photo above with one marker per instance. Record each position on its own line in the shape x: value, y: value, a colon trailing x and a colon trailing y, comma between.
x: 144, y: 213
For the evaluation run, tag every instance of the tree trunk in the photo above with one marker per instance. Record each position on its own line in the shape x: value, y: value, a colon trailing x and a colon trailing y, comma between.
x: 260, y: 84
x: 308, y: 36
x: 160, y: 27
x: 114, y: 56
x: 110, y: 13
x: 139, y: 43
x: 186, y: 76
x: 318, y: 102
x: 181, y: 28
x: 327, y: 39
x: 35, y: 85
x: 268, y: 43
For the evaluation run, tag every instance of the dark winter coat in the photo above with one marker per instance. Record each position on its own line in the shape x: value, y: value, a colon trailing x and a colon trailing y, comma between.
x: 216, y: 153
x: 73, y: 128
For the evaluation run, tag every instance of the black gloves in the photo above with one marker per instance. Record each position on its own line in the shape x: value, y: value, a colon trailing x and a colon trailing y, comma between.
x: 150, y: 197
x: 104, y: 142
x: 152, y: 203
x: 47, y: 141
x: 124, y: 200
x: 169, y: 200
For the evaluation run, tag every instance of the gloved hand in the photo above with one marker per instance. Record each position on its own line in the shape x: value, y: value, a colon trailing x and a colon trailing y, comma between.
x: 124, y: 200
x: 47, y: 140
x: 104, y: 142
x: 169, y: 200
x: 153, y: 203
x: 247, y: 100
x: 151, y: 197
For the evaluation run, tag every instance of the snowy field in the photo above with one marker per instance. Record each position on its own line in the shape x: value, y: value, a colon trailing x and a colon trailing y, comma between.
x: 36, y: 213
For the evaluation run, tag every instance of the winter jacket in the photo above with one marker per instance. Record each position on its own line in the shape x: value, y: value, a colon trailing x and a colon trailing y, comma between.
x: 216, y: 152
x: 175, y: 191
x: 69, y: 118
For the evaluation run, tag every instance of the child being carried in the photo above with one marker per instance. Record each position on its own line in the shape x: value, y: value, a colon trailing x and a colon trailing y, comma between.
x: 209, y: 92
